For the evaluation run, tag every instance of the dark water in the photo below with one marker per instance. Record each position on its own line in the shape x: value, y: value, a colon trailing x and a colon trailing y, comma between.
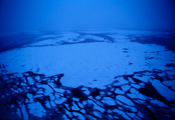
x: 9, y: 42
x: 15, y: 41
x: 166, y: 40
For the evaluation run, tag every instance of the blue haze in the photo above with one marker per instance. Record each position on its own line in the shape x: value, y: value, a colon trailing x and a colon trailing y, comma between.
x: 34, y: 15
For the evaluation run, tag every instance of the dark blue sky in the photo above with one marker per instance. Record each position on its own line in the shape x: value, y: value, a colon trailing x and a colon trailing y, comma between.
x: 34, y: 15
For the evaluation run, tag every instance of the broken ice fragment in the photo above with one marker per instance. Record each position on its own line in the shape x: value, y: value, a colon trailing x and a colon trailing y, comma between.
x: 124, y: 100
x: 150, y: 91
x: 31, y: 81
x: 164, y: 91
x: 108, y: 101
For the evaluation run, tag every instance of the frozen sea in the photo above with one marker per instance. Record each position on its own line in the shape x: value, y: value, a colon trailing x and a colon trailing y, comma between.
x: 88, y: 75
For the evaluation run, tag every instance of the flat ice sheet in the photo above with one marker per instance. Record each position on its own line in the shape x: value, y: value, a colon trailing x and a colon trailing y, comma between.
x: 90, y: 64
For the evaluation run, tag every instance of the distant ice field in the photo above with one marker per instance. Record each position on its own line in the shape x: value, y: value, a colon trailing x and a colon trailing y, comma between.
x: 89, y: 58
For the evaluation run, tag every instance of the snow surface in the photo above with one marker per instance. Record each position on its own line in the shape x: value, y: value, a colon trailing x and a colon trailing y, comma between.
x: 85, y: 62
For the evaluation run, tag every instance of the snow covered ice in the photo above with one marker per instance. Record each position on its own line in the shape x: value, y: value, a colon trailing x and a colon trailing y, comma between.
x: 88, y: 75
